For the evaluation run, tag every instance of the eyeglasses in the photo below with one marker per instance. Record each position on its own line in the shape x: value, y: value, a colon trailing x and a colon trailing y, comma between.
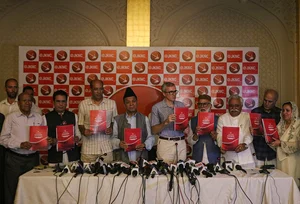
x: 172, y: 92
x: 203, y: 104
x: 267, y: 101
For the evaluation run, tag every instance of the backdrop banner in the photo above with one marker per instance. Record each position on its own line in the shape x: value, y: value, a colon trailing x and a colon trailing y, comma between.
x: 216, y: 71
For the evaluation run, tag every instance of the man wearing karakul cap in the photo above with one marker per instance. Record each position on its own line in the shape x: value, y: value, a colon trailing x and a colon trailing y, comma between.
x: 131, y: 119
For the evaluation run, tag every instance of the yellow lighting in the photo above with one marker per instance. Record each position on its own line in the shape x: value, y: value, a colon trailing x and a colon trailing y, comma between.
x: 138, y: 23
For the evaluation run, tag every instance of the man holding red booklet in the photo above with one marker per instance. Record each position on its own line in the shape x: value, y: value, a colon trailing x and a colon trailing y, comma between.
x: 131, y: 132
x: 202, y: 134
x: 234, y: 137
x: 61, y: 117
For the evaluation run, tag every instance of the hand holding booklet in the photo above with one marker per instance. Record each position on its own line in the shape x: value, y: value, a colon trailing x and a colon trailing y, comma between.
x: 98, y: 121
x: 256, y: 125
x: 230, y: 138
x: 132, y: 137
x: 182, y: 119
x: 206, y: 122
x: 38, y: 138
x: 270, y: 130
x: 65, y: 137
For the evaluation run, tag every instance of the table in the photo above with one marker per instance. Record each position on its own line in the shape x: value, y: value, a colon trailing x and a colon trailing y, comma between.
x: 39, y: 187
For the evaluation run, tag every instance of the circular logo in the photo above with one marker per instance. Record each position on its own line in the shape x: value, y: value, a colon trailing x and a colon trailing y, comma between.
x: 46, y: 67
x: 187, y: 79
x: 171, y: 67
x: 76, y: 90
x: 45, y: 111
x: 218, y: 79
x: 187, y: 56
x: 30, y: 54
x: 123, y: 79
x: 108, y: 67
x: 77, y: 67
x: 250, y: 56
x: 61, y: 55
x: 155, y: 79
x: 218, y: 103
x: 91, y: 77
x: 139, y: 67
x: 234, y: 68
x: 234, y: 90
x: 124, y: 55
x: 250, y: 79
x: 202, y: 90
x: 202, y: 68
x: 61, y: 78
x: 219, y: 56
x: 187, y: 102
x: 108, y: 90
x: 93, y: 55
x: 46, y: 90
x: 155, y: 56
x: 30, y: 78
x: 249, y: 103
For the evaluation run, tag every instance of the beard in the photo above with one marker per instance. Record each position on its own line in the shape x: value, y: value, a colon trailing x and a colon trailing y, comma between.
x: 12, y: 94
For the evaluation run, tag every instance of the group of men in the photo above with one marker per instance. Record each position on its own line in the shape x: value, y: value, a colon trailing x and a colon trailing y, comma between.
x: 20, y: 112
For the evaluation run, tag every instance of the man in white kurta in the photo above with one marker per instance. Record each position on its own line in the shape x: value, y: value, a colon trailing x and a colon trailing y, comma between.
x: 242, y: 154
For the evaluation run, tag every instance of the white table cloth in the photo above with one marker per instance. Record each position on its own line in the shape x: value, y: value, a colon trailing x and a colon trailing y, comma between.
x: 39, y: 187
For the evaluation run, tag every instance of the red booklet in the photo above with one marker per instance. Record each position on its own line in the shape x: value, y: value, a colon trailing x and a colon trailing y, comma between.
x: 38, y: 138
x: 132, y: 137
x: 206, y: 121
x: 270, y: 130
x: 65, y: 137
x: 230, y: 138
x: 182, y: 118
x: 255, y: 119
x: 98, y: 121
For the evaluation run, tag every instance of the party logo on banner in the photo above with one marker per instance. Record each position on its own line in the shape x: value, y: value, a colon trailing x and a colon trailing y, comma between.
x: 203, y: 56
x: 234, y: 56
x: 108, y: 55
x: 109, y: 79
x: 218, y: 91
x: 155, y: 79
x: 124, y: 67
x: 155, y: 56
x: 187, y: 68
x: 187, y: 56
x: 250, y: 91
x: 91, y: 77
x: 234, y: 79
x: 46, y: 55
x: 61, y: 67
x: 46, y: 78
x: 77, y: 55
x: 140, y: 55
x: 171, y: 55
x: 234, y: 90
x: 139, y: 67
x: 203, y: 79
x: 250, y: 68
x: 93, y: 55
x: 186, y: 91
x: 139, y: 79
x: 45, y: 101
x: 155, y: 67
x: 92, y: 67
x: 218, y: 68
x: 174, y: 78
x: 30, y: 66
x: 77, y: 67
x: 76, y: 79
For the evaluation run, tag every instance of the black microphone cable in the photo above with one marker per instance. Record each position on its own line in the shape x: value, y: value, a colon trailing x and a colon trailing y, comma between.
x: 276, y: 188
x: 56, y: 188
x: 79, y: 188
x: 112, y: 188
x: 119, y: 189
x: 124, y: 192
x: 100, y: 187
x: 238, y: 182
x: 65, y: 190
x: 264, y: 189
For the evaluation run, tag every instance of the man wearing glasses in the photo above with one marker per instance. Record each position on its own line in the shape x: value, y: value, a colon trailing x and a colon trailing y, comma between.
x: 61, y: 116
x: 212, y: 153
x: 264, y: 154
x: 98, y: 144
x: 171, y: 146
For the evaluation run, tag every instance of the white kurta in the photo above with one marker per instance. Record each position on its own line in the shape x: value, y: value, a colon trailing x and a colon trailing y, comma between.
x: 244, y: 158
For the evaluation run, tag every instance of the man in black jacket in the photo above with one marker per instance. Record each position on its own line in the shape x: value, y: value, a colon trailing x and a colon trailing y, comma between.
x: 61, y: 116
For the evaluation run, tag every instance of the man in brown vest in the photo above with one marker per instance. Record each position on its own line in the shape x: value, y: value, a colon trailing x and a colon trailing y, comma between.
x: 131, y: 119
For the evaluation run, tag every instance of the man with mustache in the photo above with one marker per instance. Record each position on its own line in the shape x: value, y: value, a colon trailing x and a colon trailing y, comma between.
x: 10, y: 104
x: 242, y: 154
x: 200, y: 141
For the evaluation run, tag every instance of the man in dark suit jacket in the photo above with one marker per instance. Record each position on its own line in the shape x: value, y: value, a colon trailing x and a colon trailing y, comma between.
x: 2, y: 162
x: 61, y: 116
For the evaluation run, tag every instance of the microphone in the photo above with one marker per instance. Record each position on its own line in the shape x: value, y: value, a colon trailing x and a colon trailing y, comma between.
x: 173, y: 169
x: 153, y: 172
x: 64, y: 171
x: 240, y: 168
x: 135, y: 171
x: 79, y: 169
x: 57, y: 168
x: 180, y: 167
x: 101, y: 157
x: 210, y: 168
x: 126, y: 169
